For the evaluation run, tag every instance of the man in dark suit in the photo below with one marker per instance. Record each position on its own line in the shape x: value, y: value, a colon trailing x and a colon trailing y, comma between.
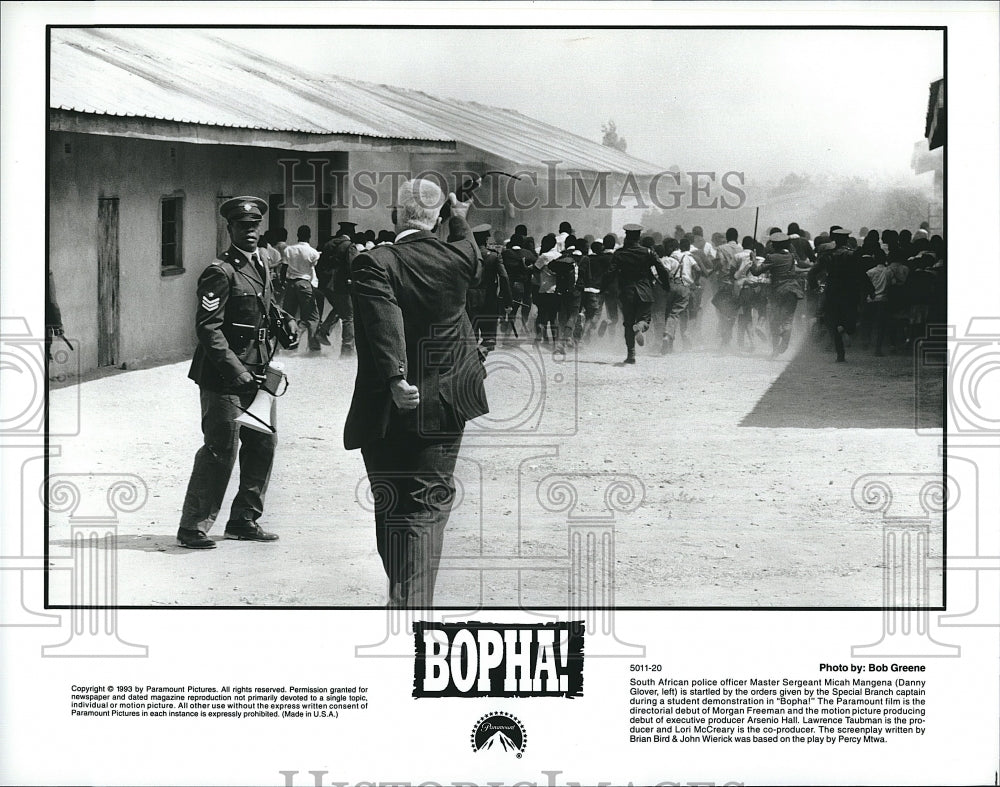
x: 419, y: 379
x: 235, y: 345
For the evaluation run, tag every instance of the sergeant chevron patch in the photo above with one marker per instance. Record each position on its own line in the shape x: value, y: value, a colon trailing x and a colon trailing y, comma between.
x: 208, y: 303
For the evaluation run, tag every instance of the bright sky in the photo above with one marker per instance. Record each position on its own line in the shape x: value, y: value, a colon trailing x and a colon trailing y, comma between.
x: 766, y: 102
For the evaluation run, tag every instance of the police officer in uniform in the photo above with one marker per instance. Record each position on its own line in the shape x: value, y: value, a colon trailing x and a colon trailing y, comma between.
x: 235, y: 343
x: 632, y: 266
x: 491, y: 297
x: 334, y: 273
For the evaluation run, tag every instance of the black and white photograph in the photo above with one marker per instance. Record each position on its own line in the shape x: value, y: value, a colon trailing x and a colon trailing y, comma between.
x: 492, y: 374
x: 696, y: 329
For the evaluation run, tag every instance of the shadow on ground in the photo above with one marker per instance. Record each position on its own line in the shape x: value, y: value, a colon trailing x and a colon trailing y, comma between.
x: 865, y: 392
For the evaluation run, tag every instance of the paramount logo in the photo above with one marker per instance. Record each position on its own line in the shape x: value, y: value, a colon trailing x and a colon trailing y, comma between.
x: 499, y: 740
x: 499, y: 732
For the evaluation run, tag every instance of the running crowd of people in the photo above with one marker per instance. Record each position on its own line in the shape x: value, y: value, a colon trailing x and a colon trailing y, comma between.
x: 882, y: 287
x: 569, y: 289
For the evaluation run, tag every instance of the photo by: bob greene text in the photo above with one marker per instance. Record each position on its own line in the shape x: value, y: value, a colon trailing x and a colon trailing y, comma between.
x: 890, y: 701
x: 234, y: 702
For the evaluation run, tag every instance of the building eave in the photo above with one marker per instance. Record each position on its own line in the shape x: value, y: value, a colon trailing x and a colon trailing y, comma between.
x: 202, y: 134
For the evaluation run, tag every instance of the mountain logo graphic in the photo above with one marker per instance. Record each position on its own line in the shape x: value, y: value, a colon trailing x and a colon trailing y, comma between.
x: 499, y: 732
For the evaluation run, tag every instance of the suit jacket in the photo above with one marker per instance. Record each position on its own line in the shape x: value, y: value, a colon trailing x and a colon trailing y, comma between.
x: 232, y: 321
x: 410, y: 320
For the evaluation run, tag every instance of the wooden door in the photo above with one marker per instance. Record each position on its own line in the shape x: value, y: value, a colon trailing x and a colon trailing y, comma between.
x: 108, y: 333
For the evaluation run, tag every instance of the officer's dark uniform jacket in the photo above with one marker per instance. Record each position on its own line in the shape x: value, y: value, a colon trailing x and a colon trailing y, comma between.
x: 631, y: 266
x: 785, y: 279
x: 232, y: 322
x: 333, y: 269
x: 492, y: 292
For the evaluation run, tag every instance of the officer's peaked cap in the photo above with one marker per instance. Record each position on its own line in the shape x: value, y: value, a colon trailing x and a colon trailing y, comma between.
x: 243, y: 208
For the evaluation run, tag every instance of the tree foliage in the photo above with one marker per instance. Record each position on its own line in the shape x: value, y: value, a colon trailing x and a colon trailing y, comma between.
x: 791, y: 183
x: 611, y: 138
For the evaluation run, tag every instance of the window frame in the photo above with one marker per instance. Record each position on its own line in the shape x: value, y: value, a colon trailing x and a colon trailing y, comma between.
x: 177, y: 267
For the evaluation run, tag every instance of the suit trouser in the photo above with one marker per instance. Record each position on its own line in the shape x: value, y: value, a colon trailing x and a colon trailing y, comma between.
x: 412, y: 480
x: 213, y: 463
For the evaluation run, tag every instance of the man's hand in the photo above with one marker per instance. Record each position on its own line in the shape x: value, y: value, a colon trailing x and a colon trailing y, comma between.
x: 245, y: 383
x: 459, y: 208
x: 405, y: 396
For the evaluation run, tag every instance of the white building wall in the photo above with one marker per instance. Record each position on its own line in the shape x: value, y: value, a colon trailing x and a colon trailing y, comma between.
x: 156, y: 311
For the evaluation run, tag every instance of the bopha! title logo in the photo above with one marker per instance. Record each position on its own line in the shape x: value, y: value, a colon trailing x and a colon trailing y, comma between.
x: 499, y: 732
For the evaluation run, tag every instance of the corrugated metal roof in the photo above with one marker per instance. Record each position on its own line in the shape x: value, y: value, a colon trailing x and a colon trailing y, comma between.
x: 511, y: 135
x: 193, y: 77
x: 198, y: 77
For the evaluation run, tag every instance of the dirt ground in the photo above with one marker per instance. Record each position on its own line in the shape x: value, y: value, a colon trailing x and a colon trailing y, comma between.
x: 695, y: 479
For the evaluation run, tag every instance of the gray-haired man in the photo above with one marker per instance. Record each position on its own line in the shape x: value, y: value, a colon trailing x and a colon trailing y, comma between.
x: 420, y: 378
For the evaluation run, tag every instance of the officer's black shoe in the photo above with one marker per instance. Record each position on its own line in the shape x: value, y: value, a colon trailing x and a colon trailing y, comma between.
x: 249, y: 532
x: 346, y: 352
x: 629, y: 359
x: 194, y: 539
